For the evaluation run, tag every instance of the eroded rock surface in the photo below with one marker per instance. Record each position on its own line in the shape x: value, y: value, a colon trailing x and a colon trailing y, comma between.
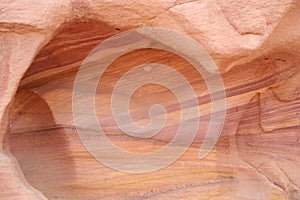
x: 255, y: 44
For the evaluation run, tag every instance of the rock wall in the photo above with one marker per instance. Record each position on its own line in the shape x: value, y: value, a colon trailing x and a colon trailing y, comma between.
x: 255, y: 44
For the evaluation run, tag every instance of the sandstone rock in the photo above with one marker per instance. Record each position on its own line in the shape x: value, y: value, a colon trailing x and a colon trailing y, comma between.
x: 256, y: 47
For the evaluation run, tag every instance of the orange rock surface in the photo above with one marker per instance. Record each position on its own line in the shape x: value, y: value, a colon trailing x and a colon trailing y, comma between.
x: 256, y: 46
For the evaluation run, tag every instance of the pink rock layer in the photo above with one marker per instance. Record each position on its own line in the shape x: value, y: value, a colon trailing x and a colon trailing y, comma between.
x: 256, y: 47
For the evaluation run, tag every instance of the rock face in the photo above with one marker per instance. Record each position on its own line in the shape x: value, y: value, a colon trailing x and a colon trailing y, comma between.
x: 256, y: 46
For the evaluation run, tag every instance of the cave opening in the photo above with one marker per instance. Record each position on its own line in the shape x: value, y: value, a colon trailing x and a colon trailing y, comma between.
x: 43, y: 137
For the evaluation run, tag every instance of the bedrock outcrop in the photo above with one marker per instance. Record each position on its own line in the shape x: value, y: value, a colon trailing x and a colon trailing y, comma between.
x: 256, y: 46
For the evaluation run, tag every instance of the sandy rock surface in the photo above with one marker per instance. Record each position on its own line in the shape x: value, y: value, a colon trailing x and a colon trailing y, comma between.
x: 256, y: 46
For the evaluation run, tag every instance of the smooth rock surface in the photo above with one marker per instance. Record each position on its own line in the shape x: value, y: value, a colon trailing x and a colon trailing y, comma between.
x: 255, y: 44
